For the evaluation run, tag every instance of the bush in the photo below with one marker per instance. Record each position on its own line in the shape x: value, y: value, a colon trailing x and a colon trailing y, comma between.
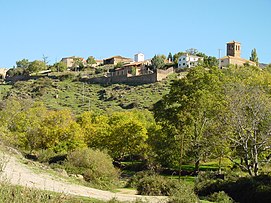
x: 153, y: 185
x: 220, y: 197
x: 156, y: 185
x: 45, y: 155
x: 67, y: 76
x: 207, y: 179
x: 134, y: 180
x: 94, y: 165
x: 248, y: 189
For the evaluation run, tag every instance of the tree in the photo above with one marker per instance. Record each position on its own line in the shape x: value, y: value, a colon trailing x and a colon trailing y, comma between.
x: 60, y: 66
x: 77, y: 64
x: 119, y: 65
x: 36, y: 66
x: 190, y: 108
x: 177, y: 56
x: 170, y: 57
x: 208, y: 61
x: 192, y: 51
x: 158, y: 61
x: 24, y: 63
x: 130, y: 132
x: 45, y: 59
x: 60, y: 132
x: 254, y: 57
x: 91, y: 60
x: 249, y: 119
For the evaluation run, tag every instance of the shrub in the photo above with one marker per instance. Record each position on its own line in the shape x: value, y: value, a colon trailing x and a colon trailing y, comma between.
x: 153, y: 185
x: 207, y: 179
x: 220, y: 197
x: 45, y: 155
x: 94, y: 165
x: 247, y: 189
x: 161, y: 186
x: 134, y: 180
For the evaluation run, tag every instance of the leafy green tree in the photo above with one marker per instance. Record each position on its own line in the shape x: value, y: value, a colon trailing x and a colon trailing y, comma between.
x: 177, y: 56
x: 192, y: 51
x: 95, y: 128
x: 24, y: 63
x: 77, y: 64
x: 254, y: 57
x: 91, y: 61
x: 249, y: 120
x: 16, y: 71
x: 119, y: 65
x: 208, y: 61
x: 36, y: 66
x: 59, y: 66
x: 158, y: 61
x: 191, y: 108
x: 131, y: 135
x: 60, y: 132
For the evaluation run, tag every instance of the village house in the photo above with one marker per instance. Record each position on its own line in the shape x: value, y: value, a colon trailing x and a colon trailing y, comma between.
x: 136, y: 68
x: 234, y: 56
x: 116, y: 59
x: 139, y: 57
x: 188, y: 61
x: 69, y: 61
x: 131, y: 69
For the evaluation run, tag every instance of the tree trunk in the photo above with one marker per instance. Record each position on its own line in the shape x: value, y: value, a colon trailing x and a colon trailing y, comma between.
x: 181, y: 158
x: 219, y: 165
x: 256, y: 164
x: 196, y: 170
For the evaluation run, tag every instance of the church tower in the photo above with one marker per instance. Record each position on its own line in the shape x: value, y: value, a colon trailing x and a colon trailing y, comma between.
x: 234, y: 49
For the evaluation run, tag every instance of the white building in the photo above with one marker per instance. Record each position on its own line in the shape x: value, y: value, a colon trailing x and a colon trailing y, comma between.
x: 188, y: 61
x: 139, y: 57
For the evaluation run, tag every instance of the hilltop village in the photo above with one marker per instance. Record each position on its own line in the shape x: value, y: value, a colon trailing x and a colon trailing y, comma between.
x: 119, y: 69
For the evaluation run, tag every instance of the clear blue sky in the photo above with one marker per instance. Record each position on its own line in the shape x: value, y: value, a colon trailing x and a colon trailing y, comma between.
x: 103, y: 28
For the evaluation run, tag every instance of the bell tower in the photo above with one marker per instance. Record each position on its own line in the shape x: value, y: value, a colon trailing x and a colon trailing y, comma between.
x: 234, y: 49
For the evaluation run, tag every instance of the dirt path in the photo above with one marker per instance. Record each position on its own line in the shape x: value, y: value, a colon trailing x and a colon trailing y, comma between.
x: 20, y: 174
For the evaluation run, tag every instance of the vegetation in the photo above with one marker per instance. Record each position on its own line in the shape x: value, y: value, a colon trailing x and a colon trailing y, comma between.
x: 211, y: 115
x: 10, y: 193
x: 254, y: 57
x: 95, y: 166
x: 158, y: 61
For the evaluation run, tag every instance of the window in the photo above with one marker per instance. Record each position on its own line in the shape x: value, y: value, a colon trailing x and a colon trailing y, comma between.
x: 183, y: 64
x: 183, y: 58
x: 222, y: 61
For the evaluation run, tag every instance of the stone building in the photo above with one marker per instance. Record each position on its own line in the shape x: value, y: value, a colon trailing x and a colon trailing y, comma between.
x: 69, y: 61
x: 116, y: 59
x: 234, y: 56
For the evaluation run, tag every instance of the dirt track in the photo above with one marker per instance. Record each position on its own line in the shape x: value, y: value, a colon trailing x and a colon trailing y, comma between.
x: 20, y: 174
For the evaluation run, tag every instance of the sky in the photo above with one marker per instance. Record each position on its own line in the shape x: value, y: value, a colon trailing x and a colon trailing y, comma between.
x: 32, y: 29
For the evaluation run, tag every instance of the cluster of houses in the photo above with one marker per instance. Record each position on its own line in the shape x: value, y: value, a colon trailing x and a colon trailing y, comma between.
x: 139, y: 65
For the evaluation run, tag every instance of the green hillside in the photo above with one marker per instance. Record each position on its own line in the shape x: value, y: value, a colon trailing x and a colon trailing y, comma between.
x: 59, y: 94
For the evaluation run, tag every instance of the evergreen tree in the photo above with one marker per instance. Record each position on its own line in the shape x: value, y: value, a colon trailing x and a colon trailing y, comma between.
x: 254, y: 56
x: 170, y: 57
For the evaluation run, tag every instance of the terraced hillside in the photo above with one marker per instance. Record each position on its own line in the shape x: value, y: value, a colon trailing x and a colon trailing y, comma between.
x: 78, y: 96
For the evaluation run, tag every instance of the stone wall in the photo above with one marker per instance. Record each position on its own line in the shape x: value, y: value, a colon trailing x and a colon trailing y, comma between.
x: 162, y: 74
x: 140, y: 79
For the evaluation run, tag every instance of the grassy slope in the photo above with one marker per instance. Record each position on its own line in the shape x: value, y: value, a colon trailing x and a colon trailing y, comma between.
x: 83, y: 97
